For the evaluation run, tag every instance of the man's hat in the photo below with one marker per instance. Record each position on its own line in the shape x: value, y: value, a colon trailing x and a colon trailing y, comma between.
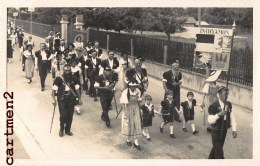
x: 213, y: 76
x: 190, y: 93
x: 148, y: 97
x: 175, y: 65
x: 169, y: 92
x: 222, y: 88
x: 133, y: 84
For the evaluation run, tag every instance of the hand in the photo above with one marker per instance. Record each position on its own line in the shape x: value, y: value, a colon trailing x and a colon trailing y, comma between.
x: 222, y: 113
x: 36, y: 68
x: 139, y: 99
x: 202, y: 105
x: 80, y: 102
x: 234, y: 134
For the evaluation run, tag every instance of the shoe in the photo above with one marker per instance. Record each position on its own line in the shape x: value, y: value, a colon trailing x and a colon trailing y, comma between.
x: 184, y: 129
x: 42, y: 89
x: 78, y: 112
x: 61, y: 133
x: 172, y: 135
x: 29, y: 81
x: 108, y: 123
x: 102, y: 117
x: 86, y: 93
x: 209, y: 129
x: 148, y: 139
x: 69, y: 133
x: 161, y: 130
x: 128, y: 143
x: 137, y: 146
x: 195, y: 132
x: 95, y: 99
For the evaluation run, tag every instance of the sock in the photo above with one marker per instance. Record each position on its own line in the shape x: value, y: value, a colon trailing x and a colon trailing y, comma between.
x: 136, y: 141
x: 147, y: 133
x: 162, y: 125
x: 171, y: 129
x: 184, y: 124
x: 193, y: 127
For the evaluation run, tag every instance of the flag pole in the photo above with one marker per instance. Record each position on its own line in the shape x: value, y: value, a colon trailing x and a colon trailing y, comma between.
x: 231, y: 52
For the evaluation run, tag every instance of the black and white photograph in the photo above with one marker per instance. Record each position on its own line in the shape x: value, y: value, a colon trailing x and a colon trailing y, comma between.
x: 88, y: 83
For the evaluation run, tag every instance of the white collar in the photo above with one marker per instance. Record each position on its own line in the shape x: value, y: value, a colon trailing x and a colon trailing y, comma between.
x: 149, y: 106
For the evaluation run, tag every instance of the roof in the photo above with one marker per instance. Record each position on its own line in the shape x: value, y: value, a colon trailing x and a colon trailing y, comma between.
x: 190, y: 20
x: 202, y: 23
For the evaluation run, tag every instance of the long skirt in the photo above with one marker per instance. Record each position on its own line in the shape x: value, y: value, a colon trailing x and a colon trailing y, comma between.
x: 29, y: 68
x: 131, y: 120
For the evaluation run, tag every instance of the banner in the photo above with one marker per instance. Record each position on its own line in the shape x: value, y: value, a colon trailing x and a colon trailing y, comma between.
x: 213, y: 47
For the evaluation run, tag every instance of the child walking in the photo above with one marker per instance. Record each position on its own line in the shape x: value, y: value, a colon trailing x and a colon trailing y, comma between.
x: 188, y: 112
x: 147, y: 116
x: 169, y: 112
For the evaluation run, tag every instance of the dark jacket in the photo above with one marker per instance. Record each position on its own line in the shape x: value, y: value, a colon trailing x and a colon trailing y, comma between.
x: 215, y: 108
x: 146, y: 113
x: 39, y: 55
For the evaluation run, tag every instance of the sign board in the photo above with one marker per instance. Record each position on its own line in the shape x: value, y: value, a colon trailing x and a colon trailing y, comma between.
x: 31, y: 9
x: 15, y: 14
x: 213, y: 46
x: 79, y: 18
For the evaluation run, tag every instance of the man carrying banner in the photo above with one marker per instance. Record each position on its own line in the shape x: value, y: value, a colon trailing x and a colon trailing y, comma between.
x: 66, y: 88
x: 221, y: 117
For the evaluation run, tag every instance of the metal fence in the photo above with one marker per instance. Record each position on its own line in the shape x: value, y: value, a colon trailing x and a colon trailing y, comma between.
x: 38, y: 29
x: 241, y: 65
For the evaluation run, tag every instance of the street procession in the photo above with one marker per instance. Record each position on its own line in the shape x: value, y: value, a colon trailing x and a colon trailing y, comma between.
x: 142, y: 96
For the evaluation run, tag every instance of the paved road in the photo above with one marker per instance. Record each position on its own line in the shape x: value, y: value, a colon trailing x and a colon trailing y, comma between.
x: 92, y: 140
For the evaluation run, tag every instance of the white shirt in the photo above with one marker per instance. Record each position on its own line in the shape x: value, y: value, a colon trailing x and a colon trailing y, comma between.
x: 213, y: 118
x: 44, y: 55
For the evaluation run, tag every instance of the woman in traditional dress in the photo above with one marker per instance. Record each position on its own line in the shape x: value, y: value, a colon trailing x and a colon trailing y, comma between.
x: 210, y: 91
x: 131, y: 118
x: 28, y: 63
x: 79, y: 45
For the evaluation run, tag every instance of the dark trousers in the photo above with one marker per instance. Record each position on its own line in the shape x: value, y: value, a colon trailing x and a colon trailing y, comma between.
x: 92, y: 90
x: 43, y: 70
x: 218, y: 143
x: 105, y: 100
x: 66, y: 108
x: 85, y: 83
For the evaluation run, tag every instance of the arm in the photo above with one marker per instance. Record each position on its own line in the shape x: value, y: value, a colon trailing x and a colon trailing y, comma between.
x: 233, y: 124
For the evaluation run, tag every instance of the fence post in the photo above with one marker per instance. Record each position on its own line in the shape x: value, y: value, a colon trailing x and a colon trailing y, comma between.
x: 107, y: 42
x: 165, y: 54
x: 132, y: 47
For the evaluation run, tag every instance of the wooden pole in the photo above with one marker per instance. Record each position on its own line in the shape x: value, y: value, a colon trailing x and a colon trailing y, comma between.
x: 231, y: 52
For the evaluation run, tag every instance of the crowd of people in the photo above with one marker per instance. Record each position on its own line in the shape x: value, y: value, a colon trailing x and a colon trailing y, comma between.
x: 78, y: 69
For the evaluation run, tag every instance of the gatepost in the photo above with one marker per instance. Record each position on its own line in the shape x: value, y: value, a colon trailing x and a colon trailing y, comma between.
x: 64, y: 27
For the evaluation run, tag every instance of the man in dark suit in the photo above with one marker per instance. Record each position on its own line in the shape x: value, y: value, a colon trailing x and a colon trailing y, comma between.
x: 97, y: 49
x: 92, y: 66
x: 112, y: 63
x: 221, y: 117
x: 42, y: 61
